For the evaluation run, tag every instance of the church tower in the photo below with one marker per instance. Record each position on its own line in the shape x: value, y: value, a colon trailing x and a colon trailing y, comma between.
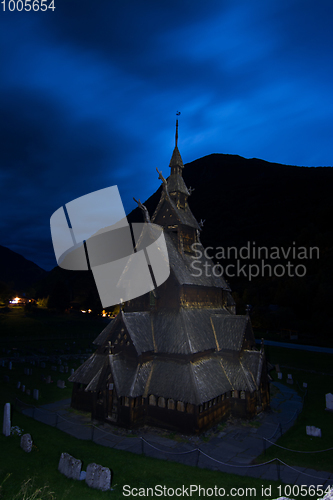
x: 177, y: 357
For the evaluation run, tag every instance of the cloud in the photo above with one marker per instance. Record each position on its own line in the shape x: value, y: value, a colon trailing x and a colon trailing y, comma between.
x: 88, y: 95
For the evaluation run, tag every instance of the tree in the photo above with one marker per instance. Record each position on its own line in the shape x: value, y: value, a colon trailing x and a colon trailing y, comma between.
x: 59, y: 297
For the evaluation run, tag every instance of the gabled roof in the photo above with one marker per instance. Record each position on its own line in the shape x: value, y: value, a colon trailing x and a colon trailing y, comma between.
x: 192, y: 382
x: 176, y: 183
x: 90, y: 370
x: 189, y: 269
x: 185, y: 331
x: 183, y: 215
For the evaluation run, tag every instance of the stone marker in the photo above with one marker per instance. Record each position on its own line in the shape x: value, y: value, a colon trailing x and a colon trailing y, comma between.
x: 61, y: 369
x: 28, y: 392
x: 83, y: 475
x: 10, y: 365
x: 277, y: 368
x: 72, y: 371
x: 311, y: 430
x: 329, y: 401
x: 26, y: 443
x: 18, y: 385
x: 48, y: 379
x: 61, y: 384
x: 23, y: 388
x: 70, y: 466
x: 6, y: 420
x: 98, y: 477
x: 36, y: 394
x: 290, y: 376
x: 305, y: 385
x: 280, y: 376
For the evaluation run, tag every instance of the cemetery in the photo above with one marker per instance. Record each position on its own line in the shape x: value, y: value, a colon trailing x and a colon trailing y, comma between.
x: 316, y: 414
x: 38, y: 375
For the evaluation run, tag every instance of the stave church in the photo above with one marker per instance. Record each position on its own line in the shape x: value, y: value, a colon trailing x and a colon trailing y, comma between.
x: 178, y: 357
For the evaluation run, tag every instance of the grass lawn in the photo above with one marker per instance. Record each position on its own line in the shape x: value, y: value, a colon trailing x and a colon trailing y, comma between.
x: 316, y: 369
x: 45, y: 331
x: 127, y: 468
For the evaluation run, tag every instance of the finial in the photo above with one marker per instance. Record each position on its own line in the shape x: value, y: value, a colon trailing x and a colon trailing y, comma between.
x: 177, y: 114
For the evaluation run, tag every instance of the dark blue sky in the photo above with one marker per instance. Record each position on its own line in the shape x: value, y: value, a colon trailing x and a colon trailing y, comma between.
x: 89, y: 92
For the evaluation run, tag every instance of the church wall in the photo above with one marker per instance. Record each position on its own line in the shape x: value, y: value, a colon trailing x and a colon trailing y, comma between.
x: 201, y: 297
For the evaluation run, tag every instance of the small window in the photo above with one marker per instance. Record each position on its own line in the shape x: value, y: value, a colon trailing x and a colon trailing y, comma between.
x: 161, y: 402
x: 171, y: 404
x: 152, y: 400
x: 180, y: 406
x: 151, y: 299
x: 189, y: 408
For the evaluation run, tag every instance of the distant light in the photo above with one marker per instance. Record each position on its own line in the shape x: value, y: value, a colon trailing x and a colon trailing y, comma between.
x: 15, y: 301
x: 83, y: 311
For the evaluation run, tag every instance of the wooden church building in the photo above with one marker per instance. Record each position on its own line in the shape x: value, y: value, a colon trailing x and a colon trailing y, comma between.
x: 177, y: 357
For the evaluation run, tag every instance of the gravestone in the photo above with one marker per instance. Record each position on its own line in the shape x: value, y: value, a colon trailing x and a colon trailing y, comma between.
x: 280, y: 376
x: 28, y: 392
x: 72, y: 371
x: 329, y: 401
x: 83, y: 475
x: 290, y: 379
x: 311, y: 430
x: 18, y: 385
x: 48, y: 379
x: 10, y: 365
x: 23, y: 388
x: 59, y: 362
x: 61, y: 369
x: 305, y: 385
x: 26, y: 443
x: 61, y: 384
x: 70, y: 466
x: 36, y: 394
x: 98, y: 477
x: 6, y: 420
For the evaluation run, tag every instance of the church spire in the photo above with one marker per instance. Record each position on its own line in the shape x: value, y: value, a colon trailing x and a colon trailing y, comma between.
x: 176, y: 162
x: 176, y: 141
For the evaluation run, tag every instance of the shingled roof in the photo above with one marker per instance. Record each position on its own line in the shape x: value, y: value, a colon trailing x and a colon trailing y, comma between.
x: 184, y: 331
